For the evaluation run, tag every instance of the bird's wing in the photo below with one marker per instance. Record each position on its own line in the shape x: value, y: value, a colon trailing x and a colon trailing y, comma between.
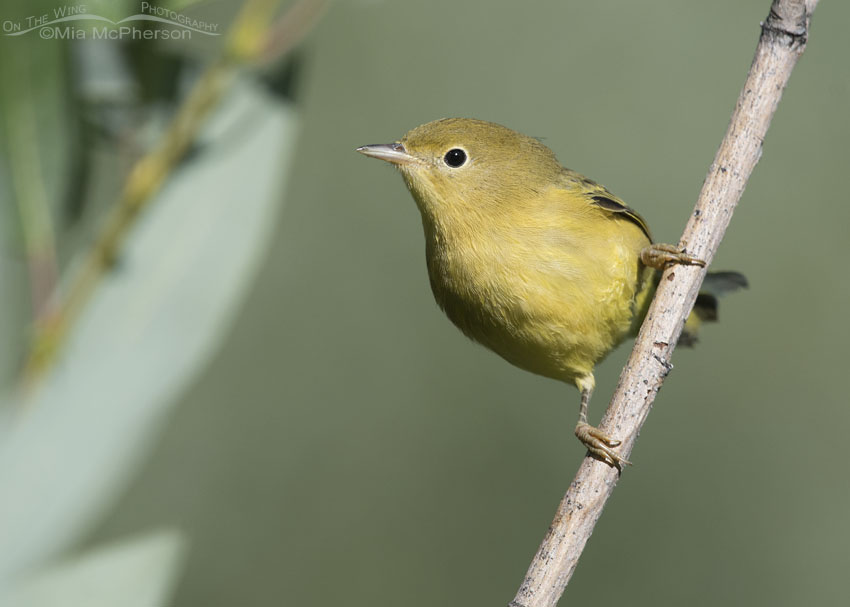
x: 599, y: 196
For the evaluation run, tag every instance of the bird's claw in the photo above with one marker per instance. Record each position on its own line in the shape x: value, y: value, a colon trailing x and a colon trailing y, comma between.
x: 659, y: 256
x: 600, y: 445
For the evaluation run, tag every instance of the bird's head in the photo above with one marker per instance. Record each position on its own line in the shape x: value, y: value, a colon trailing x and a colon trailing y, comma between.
x: 462, y: 165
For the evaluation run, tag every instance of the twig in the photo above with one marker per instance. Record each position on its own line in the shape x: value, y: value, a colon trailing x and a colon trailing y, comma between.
x: 782, y: 41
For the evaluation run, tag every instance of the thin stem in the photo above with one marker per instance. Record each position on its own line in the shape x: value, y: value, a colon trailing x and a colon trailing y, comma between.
x: 783, y: 39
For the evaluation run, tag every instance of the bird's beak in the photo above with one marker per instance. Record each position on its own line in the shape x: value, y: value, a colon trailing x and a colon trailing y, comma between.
x: 391, y: 152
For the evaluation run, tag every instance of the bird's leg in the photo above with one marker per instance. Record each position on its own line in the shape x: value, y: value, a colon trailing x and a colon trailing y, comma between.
x: 596, y: 441
x: 659, y: 256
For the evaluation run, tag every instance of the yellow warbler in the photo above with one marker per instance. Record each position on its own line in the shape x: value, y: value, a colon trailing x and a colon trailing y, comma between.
x: 536, y: 262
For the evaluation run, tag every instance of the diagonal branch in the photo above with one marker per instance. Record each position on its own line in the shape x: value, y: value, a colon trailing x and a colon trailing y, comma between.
x: 782, y: 41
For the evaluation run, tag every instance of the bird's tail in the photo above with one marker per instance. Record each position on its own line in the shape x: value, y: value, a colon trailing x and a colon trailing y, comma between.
x: 715, y: 285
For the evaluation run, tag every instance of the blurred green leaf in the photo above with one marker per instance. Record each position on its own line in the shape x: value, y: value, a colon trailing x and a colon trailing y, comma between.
x: 37, y: 122
x: 140, y: 572
x: 149, y: 328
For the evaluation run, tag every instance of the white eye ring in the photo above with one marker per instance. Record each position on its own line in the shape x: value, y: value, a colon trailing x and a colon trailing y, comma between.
x: 455, y: 158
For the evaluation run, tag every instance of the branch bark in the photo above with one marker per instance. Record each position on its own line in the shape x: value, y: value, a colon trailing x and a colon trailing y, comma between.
x: 783, y: 39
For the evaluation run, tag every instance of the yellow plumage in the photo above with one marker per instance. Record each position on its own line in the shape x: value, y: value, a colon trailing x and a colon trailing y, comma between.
x: 534, y: 261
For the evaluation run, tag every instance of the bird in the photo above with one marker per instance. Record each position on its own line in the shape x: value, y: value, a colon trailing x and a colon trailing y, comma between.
x: 534, y: 261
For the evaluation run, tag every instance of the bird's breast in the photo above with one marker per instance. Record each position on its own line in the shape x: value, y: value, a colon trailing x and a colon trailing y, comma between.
x: 547, y: 302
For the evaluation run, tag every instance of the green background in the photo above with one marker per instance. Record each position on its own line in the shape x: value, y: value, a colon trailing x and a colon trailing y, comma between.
x: 349, y: 446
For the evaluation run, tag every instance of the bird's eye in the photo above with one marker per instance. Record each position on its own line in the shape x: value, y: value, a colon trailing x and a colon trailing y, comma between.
x: 455, y: 158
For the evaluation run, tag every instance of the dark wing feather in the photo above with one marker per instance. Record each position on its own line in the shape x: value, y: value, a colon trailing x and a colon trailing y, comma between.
x: 613, y: 205
x: 599, y: 196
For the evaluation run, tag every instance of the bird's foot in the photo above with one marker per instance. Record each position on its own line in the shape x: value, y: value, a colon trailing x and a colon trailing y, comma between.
x: 600, y: 445
x: 659, y: 256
